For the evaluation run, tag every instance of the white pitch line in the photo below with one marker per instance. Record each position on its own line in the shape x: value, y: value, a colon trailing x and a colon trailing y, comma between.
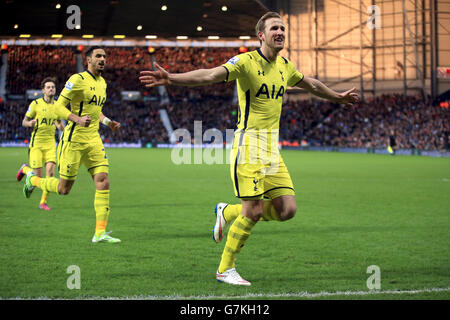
x: 304, y: 294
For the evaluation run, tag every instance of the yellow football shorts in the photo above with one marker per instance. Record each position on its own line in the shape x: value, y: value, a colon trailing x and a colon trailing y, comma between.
x: 39, y: 155
x: 71, y: 155
x: 254, y: 179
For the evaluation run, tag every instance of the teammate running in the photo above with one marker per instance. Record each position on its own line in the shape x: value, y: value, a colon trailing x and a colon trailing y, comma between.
x: 81, y: 143
x: 42, y: 118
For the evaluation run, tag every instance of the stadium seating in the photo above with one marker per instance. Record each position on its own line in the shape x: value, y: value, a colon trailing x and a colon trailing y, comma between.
x: 319, y: 123
x: 29, y: 65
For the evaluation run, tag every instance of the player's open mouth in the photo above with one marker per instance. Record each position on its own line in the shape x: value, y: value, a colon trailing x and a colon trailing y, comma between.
x: 279, y: 40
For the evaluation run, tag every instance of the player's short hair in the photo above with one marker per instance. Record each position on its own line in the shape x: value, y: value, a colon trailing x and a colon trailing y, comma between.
x: 91, y: 50
x: 261, y: 25
x: 48, y: 79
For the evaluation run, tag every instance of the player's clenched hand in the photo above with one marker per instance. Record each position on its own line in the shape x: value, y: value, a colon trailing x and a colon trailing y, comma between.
x: 114, y: 125
x: 32, y: 123
x: 155, y: 78
x: 84, y: 121
x: 349, y: 97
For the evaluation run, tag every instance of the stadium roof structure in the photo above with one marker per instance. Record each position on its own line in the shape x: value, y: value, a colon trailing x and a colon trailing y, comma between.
x: 132, y: 18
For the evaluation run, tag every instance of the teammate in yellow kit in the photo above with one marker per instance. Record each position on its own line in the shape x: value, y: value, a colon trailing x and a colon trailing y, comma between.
x: 257, y: 169
x: 42, y: 118
x: 81, y: 143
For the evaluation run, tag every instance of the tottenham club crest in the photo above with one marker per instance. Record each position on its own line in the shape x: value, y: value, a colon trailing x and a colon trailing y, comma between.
x: 255, y: 182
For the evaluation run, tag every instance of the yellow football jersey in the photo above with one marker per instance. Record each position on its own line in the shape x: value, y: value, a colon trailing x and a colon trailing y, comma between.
x: 44, y: 130
x: 87, y: 96
x: 261, y: 86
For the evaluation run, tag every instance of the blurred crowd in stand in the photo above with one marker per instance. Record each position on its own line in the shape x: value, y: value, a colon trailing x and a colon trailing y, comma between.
x: 416, y: 124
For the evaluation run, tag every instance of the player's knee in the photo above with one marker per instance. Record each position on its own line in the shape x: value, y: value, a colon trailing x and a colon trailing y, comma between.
x: 106, y: 185
x: 103, y: 184
x: 288, y: 212
x: 254, y: 215
x: 63, y: 191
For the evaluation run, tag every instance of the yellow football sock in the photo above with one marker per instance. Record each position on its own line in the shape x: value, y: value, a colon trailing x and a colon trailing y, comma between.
x: 231, y: 212
x: 35, y: 181
x: 44, y: 197
x: 237, y: 236
x: 46, y: 184
x: 26, y: 169
x: 269, y: 212
x: 101, y: 205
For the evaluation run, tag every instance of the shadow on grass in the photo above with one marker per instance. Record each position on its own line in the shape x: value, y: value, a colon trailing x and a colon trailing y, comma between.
x: 155, y: 205
x: 333, y: 229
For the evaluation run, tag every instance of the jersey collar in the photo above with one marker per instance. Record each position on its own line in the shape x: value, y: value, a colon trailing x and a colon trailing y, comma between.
x: 91, y: 75
x: 46, y: 101
x: 262, y: 55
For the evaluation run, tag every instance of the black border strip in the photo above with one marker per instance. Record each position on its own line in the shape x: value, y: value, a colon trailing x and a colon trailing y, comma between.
x: 73, y: 123
x: 247, y: 108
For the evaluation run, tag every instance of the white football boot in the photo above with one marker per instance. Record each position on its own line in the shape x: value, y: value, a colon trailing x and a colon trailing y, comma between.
x: 105, y: 237
x: 232, y: 277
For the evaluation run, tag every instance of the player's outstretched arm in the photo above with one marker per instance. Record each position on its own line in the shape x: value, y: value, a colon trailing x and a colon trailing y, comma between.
x: 113, y: 125
x: 319, y: 89
x: 200, y: 77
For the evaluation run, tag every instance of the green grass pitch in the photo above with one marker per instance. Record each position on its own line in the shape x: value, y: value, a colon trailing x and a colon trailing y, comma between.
x: 355, y: 210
